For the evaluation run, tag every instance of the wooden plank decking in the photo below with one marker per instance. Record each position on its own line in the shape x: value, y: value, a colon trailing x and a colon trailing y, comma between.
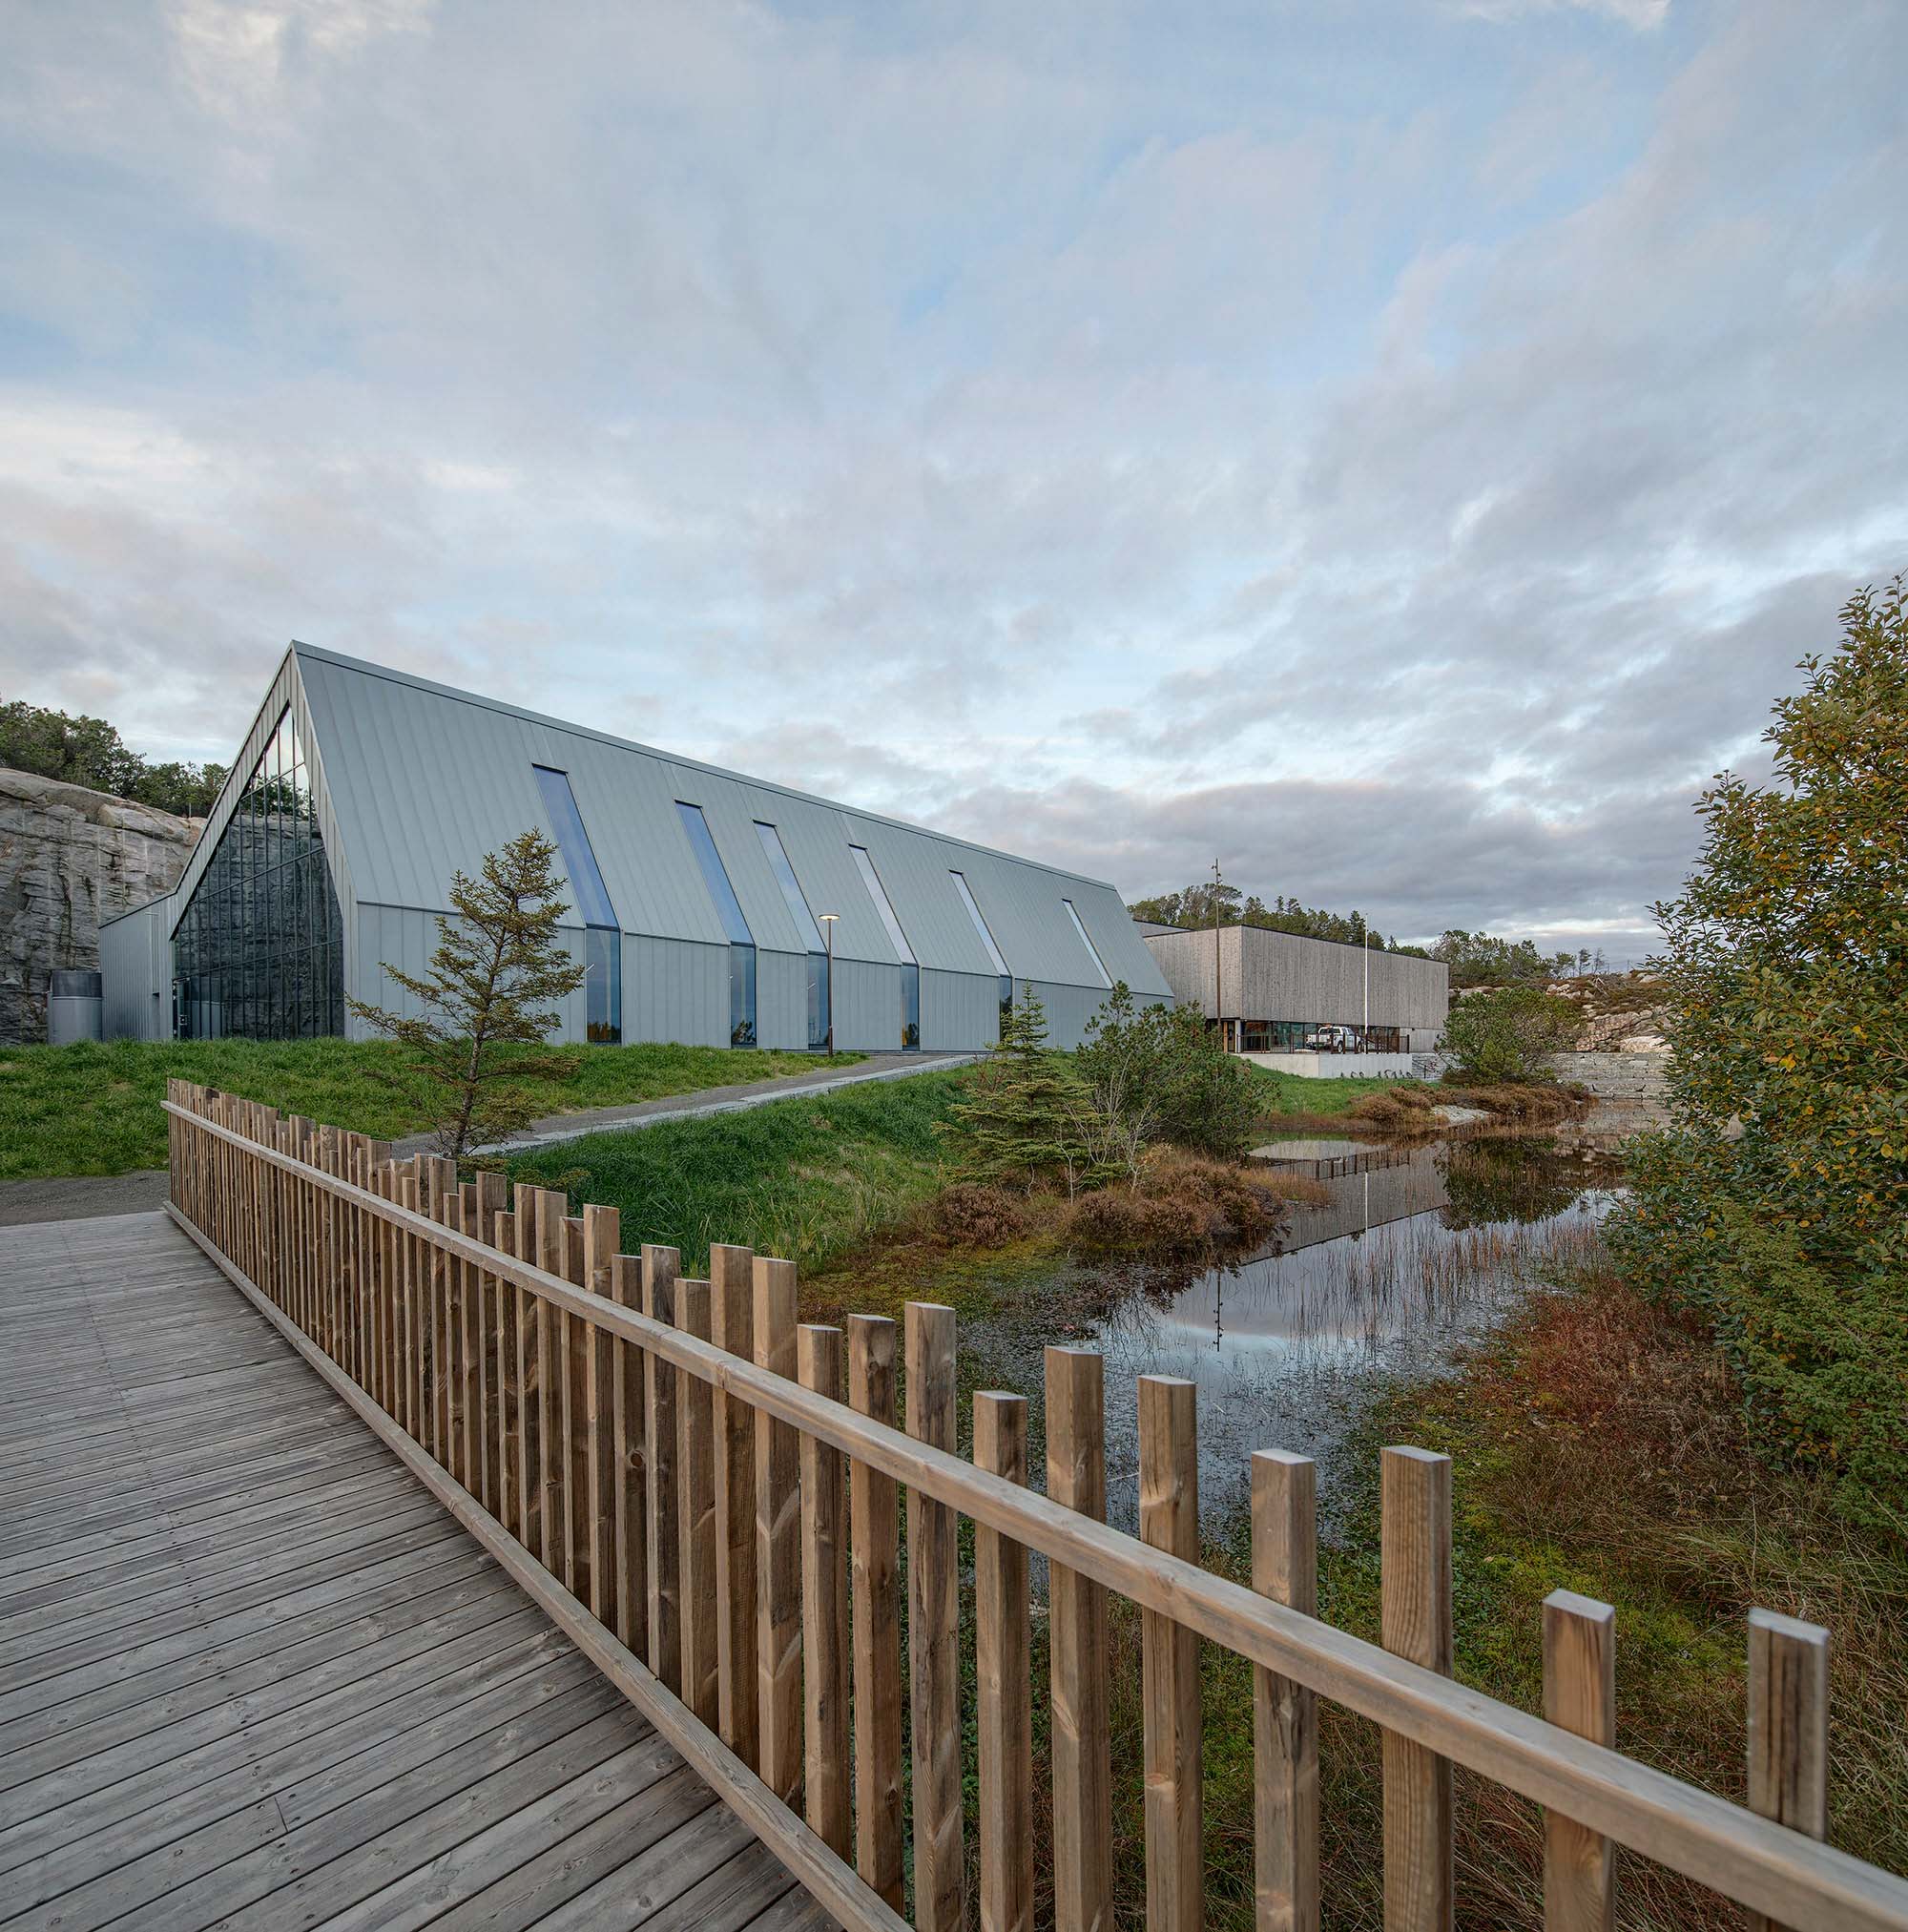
x: 252, y: 1673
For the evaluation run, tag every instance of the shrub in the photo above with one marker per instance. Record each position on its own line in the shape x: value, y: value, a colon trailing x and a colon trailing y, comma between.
x: 1505, y: 1035
x: 1777, y: 1202
x: 1156, y: 1073
x: 1184, y: 1205
x: 1023, y: 1121
x: 976, y: 1215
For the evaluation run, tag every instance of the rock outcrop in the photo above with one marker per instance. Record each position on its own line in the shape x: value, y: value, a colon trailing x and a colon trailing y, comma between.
x: 1621, y: 1012
x: 68, y: 858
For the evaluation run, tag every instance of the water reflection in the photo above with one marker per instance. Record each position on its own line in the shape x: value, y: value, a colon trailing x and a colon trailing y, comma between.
x: 1416, y: 1251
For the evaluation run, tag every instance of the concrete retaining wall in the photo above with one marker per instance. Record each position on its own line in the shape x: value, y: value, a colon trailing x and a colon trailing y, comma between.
x: 1337, y: 1065
x: 1615, y: 1076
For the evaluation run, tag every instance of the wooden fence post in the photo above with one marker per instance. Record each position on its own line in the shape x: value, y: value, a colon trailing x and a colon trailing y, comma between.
x: 827, y: 1775
x: 733, y: 1318
x: 1168, y: 1520
x: 628, y: 1408
x: 510, y: 1442
x: 529, y: 1369
x: 660, y: 1269
x: 1578, y: 1695
x: 778, y: 1542
x: 874, y: 1505
x: 696, y: 1511
x: 1788, y: 1727
x: 487, y: 1296
x: 1416, y: 1616
x: 552, y: 1388
x: 1082, y: 1818
x: 933, y: 1631
x: 1004, y: 1664
x: 1285, y: 1715
x: 602, y: 1236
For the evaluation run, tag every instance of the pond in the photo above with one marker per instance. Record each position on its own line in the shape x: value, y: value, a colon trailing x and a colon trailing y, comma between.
x: 1416, y: 1251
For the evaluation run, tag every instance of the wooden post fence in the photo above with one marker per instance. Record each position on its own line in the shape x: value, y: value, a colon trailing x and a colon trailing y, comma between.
x: 669, y: 1468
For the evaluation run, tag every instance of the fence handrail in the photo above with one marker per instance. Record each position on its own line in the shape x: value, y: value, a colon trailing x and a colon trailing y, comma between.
x: 1768, y: 1867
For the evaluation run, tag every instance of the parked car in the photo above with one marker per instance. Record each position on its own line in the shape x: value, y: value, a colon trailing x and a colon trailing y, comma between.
x: 1333, y: 1040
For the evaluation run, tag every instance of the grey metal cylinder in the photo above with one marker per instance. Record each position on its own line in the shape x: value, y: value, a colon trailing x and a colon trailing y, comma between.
x: 75, y: 1007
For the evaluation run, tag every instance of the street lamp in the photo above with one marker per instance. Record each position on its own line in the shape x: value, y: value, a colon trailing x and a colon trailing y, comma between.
x: 829, y: 920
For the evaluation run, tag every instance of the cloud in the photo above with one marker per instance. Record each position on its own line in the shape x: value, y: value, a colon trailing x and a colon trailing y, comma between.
x: 1289, y: 439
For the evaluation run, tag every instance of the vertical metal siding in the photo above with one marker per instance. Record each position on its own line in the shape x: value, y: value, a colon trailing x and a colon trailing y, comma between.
x: 958, y: 1011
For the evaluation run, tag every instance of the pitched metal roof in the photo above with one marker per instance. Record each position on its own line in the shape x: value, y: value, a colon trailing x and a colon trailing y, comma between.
x: 425, y: 779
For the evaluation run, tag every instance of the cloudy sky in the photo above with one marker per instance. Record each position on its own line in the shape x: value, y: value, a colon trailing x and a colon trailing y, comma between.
x: 1396, y: 448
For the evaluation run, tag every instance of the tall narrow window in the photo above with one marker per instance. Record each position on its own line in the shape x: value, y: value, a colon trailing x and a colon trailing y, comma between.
x: 994, y: 952
x: 602, y: 935
x: 259, y: 951
x: 805, y: 926
x: 1093, y: 951
x: 729, y: 910
x: 910, y: 967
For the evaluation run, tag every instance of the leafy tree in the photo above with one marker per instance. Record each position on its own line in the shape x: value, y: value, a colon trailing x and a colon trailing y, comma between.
x: 1481, y: 959
x: 495, y: 966
x: 1504, y: 1035
x: 1021, y: 1120
x: 1777, y: 1198
x: 1217, y: 903
x: 87, y: 751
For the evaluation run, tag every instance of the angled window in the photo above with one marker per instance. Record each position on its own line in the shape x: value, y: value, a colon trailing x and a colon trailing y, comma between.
x: 1093, y: 951
x: 910, y: 967
x: 602, y: 935
x: 804, y: 924
x: 729, y: 911
x: 259, y: 951
x: 982, y: 927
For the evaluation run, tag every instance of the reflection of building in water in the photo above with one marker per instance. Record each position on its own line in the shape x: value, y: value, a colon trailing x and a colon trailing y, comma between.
x: 1286, y: 1347
x: 1370, y: 1186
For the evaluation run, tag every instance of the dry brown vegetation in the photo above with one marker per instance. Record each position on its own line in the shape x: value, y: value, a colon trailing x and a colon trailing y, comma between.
x: 1407, y: 1110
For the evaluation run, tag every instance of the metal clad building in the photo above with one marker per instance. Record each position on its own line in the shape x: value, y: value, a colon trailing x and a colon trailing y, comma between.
x: 360, y: 791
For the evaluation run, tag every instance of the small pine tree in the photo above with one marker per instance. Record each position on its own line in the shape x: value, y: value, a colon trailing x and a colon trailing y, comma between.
x: 495, y: 966
x: 1019, y: 1124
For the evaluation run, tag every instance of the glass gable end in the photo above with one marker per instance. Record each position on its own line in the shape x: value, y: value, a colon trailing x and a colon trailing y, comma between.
x: 258, y: 952
x: 729, y: 910
x: 804, y: 923
x: 910, y: 967
x: 602, y: 934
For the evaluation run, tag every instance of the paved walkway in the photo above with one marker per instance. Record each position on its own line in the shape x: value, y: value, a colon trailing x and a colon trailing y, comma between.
x: 252, y: 1672
x: 81, y: 1197
x: 734, y: 1100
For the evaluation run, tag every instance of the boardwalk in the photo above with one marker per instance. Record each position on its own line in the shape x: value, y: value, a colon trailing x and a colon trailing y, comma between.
x: 251, y: 1672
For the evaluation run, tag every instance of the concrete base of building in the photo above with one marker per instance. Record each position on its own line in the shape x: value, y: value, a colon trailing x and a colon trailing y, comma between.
x: 1337, y: 1065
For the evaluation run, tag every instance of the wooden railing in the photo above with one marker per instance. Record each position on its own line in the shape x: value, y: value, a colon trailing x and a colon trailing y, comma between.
x: 668, y: 1466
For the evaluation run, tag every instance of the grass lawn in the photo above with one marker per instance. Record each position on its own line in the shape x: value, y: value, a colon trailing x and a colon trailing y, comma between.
x: 804, y: 1179
x: 95, y: 1108
x: 1281, y: 1093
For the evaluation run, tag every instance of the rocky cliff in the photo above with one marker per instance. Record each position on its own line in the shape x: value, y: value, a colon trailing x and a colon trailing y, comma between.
x: 70, y: 858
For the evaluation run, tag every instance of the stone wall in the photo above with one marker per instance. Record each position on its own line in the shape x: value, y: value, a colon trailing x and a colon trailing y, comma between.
x: 68, y: 858
x: 1633, y: 1076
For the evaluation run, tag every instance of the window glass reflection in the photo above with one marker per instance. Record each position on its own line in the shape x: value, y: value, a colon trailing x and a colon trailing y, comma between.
x: 910, y: 967
x: 258, y: 952
x: 729, y: 910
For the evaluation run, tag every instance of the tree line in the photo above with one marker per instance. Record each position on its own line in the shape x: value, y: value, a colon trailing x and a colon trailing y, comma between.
x: 1475, y: 959
x: 90, y: 752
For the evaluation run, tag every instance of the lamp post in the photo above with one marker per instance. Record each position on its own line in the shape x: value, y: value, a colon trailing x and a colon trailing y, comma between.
x: 829, y: 920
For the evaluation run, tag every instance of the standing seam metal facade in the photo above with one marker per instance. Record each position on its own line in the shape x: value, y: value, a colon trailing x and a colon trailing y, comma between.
x: 413, y: 781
